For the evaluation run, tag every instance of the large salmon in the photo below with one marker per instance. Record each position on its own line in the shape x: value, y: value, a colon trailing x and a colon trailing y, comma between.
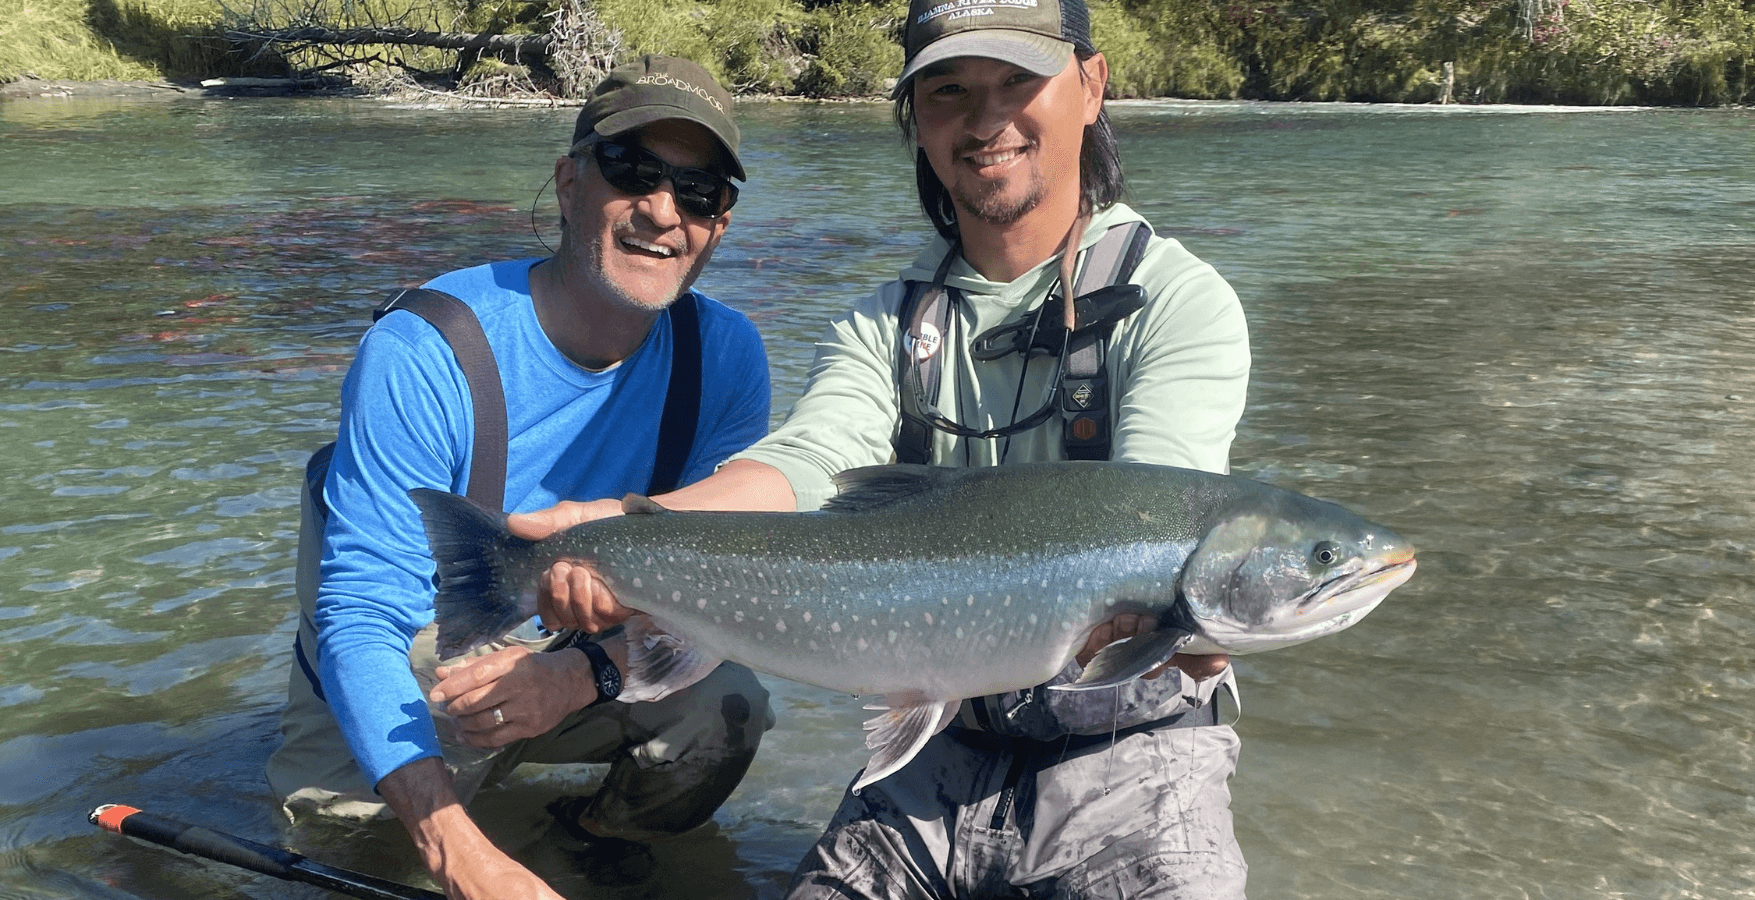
x: 922, y: 586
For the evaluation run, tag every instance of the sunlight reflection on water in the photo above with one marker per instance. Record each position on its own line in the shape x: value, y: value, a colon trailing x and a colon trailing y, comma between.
x: 1521, y: 336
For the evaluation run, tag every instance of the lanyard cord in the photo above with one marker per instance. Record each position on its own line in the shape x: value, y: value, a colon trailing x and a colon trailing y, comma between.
x: 928, y: 410
x: 1069, y: 252
x: 929, y: 413
x: 1024, y: 375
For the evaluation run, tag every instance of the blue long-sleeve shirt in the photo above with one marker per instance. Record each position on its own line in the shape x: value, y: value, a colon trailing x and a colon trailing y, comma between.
x: 407, y: 421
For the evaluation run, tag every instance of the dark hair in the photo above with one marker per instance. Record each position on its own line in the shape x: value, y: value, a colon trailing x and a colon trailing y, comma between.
x: 1101, y: 183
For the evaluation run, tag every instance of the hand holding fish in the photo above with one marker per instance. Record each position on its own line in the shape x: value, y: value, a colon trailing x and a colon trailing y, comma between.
x: 920, y: 586
x: 534, y: 526
x: 1200, y: 667
x: 571, y: 594
x: 513, y: 693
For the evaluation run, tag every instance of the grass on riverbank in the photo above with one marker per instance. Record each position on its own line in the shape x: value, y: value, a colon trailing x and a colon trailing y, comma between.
x: 1676, y: 52
x: 136, y: 40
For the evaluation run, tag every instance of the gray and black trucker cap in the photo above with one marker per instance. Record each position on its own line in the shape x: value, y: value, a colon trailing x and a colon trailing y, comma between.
x: 653, y: 88
x: 1038, y: 35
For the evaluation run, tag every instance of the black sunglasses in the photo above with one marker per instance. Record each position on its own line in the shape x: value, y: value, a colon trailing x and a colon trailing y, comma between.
x: 638, y: 171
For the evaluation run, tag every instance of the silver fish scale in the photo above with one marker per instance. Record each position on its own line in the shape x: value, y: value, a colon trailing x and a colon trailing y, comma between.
x: 889, y: 626
x: 930, y: 585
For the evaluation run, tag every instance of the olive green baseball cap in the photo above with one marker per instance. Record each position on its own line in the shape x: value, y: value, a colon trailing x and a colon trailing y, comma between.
x: 654, y: 88
x: 1037, y: 35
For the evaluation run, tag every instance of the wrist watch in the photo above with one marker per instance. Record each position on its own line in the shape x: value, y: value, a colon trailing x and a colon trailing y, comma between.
x: 603, y: 672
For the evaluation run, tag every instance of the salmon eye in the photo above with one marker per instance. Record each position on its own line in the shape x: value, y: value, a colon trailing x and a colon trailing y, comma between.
x: 1327, y: 553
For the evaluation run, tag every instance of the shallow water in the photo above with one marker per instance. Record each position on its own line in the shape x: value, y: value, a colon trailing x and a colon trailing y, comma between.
x: 1521, y: 336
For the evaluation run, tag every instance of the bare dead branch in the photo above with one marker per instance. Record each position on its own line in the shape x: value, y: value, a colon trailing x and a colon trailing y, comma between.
x: 515, y: 47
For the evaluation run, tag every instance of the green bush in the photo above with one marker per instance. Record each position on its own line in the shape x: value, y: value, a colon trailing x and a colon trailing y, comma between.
x: 749, y: 45
x: 1538, y: 51
x: 758, y: 43
x: 670, y: 28
x: 1165, y: 48
x: 853, y: 49
x: 140, y: 40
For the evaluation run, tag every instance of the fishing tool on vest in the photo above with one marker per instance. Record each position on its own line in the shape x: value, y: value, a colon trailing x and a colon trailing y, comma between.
x: 1100, y: 298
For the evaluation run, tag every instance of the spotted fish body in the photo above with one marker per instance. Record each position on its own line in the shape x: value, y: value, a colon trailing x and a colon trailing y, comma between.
x: 924, y: 586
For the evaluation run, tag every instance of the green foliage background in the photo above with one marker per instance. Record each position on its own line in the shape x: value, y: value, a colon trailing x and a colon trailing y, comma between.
x: 1664, y: 52
x: 91, y: 40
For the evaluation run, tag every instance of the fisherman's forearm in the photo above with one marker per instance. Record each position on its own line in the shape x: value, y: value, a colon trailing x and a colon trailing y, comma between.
x: 739, y: 485
x: 423, y: 798
x: 455, y: 850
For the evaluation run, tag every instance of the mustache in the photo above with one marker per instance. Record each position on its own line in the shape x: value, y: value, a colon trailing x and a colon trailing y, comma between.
x: 676, y: 239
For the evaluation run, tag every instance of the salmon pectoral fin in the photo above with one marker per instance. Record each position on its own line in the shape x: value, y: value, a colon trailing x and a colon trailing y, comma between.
x: 660, y: 663
x: 1123, y: 661
x: 900, y: 732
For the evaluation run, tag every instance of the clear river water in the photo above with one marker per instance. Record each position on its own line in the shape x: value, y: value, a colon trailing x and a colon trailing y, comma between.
x: 1524, y: 337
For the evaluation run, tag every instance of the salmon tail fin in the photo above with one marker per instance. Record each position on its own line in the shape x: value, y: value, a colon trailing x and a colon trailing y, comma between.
x: 659, y: 662
x: 477, y: 601
x: 900, y: 732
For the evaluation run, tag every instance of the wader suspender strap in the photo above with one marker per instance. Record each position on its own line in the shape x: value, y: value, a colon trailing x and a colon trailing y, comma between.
x: 924, y: 308
x: 1084, y: 384
x: 462, y: 330
x: 487, y: 467
x: 487, y: 462
x: 682, y: 398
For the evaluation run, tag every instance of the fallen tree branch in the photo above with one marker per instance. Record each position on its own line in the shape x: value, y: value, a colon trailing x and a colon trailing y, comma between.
x: 465, y: 99
x: 511, y: 47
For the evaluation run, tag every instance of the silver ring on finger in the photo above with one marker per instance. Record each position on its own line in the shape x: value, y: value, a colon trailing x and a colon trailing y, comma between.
x: 499, y: 717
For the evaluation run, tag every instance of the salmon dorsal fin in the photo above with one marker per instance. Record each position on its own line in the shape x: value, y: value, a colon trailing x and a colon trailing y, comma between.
x: 634, y: 504
x: 870, y: 487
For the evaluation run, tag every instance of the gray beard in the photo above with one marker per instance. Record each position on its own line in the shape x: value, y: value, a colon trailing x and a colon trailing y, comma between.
x: 595, y: 253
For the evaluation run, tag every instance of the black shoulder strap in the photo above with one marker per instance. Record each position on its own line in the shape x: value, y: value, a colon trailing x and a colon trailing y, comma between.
x: 457, y: 323
x: 924, y: 317
x: 682, y: 398
x: 462, y: 330
x: 921, y: 306
x: 1087, y: 431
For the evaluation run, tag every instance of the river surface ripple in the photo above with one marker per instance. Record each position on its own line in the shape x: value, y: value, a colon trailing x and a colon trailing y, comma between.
x: 1521, y: 336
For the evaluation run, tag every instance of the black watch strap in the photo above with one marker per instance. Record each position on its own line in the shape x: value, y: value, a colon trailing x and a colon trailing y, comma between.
x: 603, y: 672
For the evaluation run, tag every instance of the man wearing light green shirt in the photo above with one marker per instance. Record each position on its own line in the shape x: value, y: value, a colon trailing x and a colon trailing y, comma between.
x: 1033, y: 793
x: 1181, y: 367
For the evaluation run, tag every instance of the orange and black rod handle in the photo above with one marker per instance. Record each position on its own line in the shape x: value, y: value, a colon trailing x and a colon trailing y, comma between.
x: 197, y: 841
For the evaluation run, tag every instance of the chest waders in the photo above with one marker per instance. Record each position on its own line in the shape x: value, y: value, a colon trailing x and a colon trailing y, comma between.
x: 457, y: 323
x: 1025, y: 723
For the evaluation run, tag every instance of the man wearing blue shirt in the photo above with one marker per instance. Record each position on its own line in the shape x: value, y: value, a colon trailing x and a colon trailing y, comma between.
x: 583, y: 341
